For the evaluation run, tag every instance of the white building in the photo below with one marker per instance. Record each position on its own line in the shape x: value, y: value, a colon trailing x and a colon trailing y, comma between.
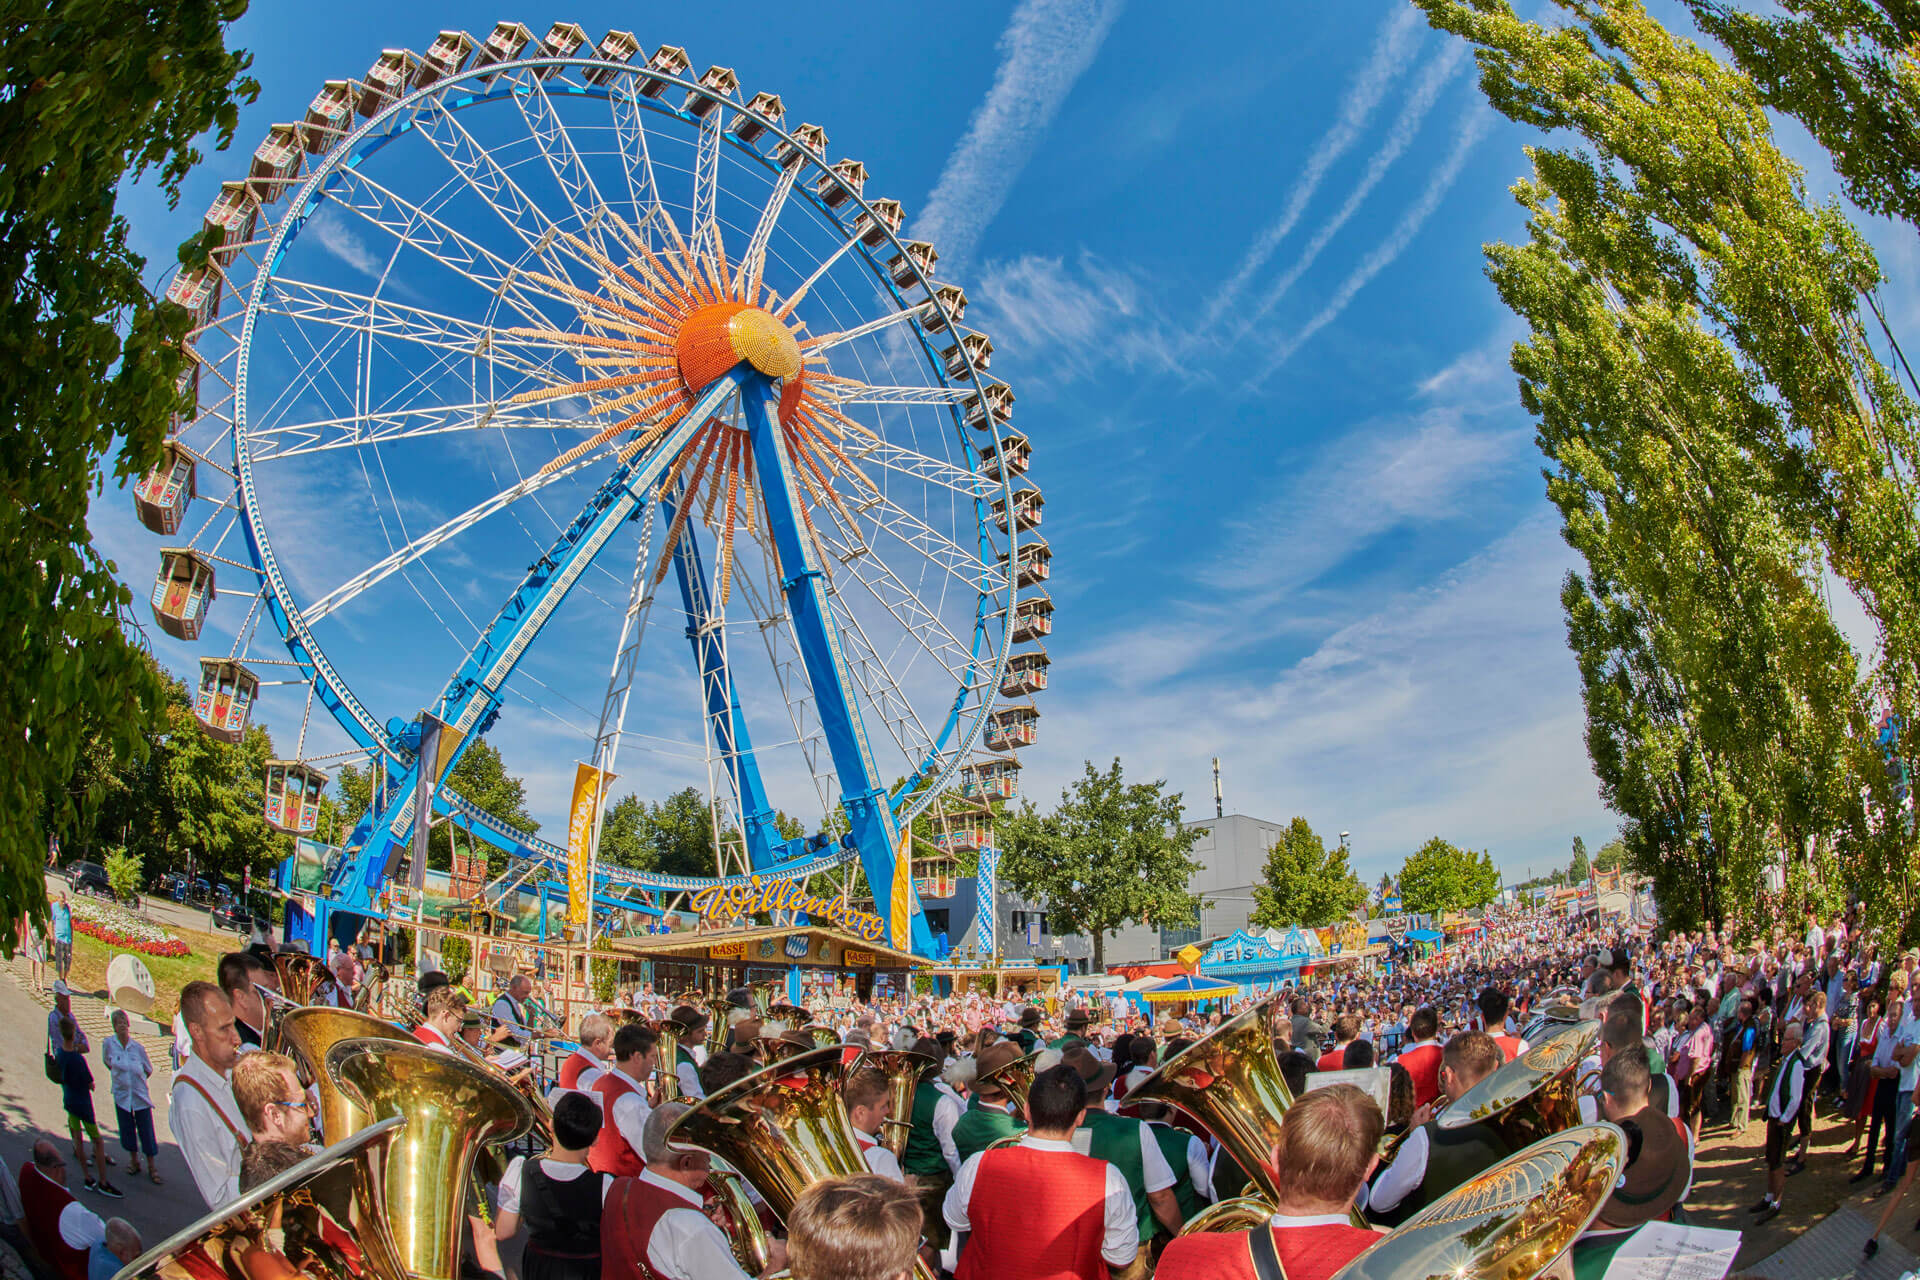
x: 1232, y: 853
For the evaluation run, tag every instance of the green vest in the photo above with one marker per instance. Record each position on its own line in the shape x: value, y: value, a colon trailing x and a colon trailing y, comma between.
x: 1025, y: 1038
x: 1116, y: 1139
x: 1067, y: 1043
x: 684, y: 1057
x: 981, y: 1127
x: 922, y: 1156
x: 1173, y: 1145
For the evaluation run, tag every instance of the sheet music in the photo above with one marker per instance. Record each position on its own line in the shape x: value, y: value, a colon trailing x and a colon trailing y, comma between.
x: 1664, y: 1251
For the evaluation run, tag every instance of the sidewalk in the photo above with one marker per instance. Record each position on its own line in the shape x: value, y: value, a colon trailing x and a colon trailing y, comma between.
x: 30, y: 1109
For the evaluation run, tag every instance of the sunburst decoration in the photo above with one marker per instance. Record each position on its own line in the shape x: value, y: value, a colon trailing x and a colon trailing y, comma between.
x: 662, y: 328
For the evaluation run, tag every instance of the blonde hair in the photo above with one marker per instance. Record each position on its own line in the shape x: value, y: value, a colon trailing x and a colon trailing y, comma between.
x: 257, y: 1081
x: 1330, y: 1135
x: 860, y: 1228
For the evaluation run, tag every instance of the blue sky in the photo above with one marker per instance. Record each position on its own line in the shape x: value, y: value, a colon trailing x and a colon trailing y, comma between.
x: 1231, y: 263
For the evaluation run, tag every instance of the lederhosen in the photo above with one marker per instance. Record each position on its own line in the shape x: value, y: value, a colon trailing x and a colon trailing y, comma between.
x: 563, y: 1224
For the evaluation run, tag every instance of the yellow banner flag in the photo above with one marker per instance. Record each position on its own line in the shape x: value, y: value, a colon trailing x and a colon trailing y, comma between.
x: 899, y: 926
x: 582, y: 816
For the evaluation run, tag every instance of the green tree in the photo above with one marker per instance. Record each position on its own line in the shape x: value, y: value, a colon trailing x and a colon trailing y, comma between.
x: 1846, y: 70
x: 480, y: 777
x: 1110, y: 852
x: 1580, y: 868
x: 1304, y: 882
x: 123, y: 873
x: 672, y: 836
x: 90, y: 367
x: 1612, y: 855
x: 1444, y: 877
x: 1719, y: 435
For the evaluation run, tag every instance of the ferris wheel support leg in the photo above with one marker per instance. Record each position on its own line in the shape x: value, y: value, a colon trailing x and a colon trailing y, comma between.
x: 722, y: 698
x: 874, y: 832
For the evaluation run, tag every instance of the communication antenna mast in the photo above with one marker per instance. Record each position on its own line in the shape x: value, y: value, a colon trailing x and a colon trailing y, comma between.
x: 1219, y: 806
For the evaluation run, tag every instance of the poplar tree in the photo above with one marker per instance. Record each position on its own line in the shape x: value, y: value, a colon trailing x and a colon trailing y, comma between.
x: 1720, y: 434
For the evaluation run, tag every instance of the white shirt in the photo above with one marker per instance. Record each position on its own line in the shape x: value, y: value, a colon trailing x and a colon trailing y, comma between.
x: 81, y: 1228
x: 946, y: 1114
x: 1398, y: 1180
x: 1122, y: 1237
x: 129, y: 1066
x: 435, y: 1041
x: 1909, y: 1033
x: 685, y: 1244
x: 211, y: 1147
x: 1153, y: 1162
x: 585, y: 1083
x: 558, y: 1170
x: 630, y: 1112
x: 879, y: 1159
x: 689, y: 1076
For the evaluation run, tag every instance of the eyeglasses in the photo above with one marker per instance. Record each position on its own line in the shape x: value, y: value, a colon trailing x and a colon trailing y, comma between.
x: 301, y: 1105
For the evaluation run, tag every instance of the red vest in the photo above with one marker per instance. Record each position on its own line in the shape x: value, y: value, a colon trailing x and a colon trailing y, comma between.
x: 626, y: 1227
x: 43, y: 1199
x: 1036, y: 1215
x: 1509, y: 1045
x: 1423, y: 1064
x: 1332, y: 1060
x: 1306, y: 1253
x: 576, y: 1065
x: 430, y: 1036
x: 610, y: 1152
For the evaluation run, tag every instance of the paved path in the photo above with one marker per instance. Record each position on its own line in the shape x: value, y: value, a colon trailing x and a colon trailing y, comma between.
x: 30, y: 1108
x: 1831, y: 1250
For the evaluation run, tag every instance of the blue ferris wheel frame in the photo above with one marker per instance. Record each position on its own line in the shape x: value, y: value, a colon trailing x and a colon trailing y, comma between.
x: 471, y: 698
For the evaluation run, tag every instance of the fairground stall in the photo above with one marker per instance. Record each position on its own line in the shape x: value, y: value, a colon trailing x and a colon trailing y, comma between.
x: 812, y: 965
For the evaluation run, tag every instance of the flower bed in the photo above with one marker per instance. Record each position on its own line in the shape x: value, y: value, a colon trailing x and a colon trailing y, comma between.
x: 116, y: 926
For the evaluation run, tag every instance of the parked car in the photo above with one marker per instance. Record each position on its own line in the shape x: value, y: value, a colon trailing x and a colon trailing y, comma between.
x: 88, y: 877
x: 228, y: 914
x: 200, y: 891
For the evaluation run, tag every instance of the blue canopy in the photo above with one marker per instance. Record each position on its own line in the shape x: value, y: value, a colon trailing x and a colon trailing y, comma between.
x: 1425, y: 935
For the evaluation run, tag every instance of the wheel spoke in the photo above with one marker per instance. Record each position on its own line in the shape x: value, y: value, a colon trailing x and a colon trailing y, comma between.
x: 753, y: 263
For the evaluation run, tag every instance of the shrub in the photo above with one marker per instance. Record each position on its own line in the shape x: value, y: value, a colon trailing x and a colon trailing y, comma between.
x: 123, y: 874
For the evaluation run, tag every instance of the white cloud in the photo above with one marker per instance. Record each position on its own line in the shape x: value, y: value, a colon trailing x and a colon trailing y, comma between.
x: 1399, y: 137
x: 1046, y: 47
x: 1473, y: 127
x: 1072, y: 319
x: 1480, y: 373
x: 1392, y: 51
x: 334, y: 235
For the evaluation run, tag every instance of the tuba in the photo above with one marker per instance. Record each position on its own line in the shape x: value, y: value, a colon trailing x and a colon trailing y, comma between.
x: 295, y: 1224
x: 824, y: 1037
x: 1016, y: 1078
x: 1512, y: 1221
x: 730, y: 1205
x: 668, y: 1071
x: 1230, y: 1082
x: 299, y: 974
x: 452, y: 1109
x: 784, y: 1128
x: 1534, y: 1096
x: 306, y: 1034
x: 903, y: 1069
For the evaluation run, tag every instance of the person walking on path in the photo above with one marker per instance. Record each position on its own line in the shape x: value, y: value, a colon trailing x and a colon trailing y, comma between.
x: 62, y: 937
x: 76, y: 1089
x: 34, y: 943
x: 129, y: 1068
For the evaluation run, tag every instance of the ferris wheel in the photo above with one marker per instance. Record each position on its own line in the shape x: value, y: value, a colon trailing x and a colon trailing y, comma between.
x: 502, y: 343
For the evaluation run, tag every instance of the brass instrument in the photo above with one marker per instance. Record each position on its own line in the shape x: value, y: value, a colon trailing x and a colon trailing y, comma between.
x: 1510, y: 1222
x: 1016, y: 1078
x: 778, y: 1048
x: 520, y: 1081
x: 719, y: 1028
x: 306, y: 1034
x: 791, y: 1014
x: 668, y: 1071
x: 1390, y: 1143
x: 300, y: 974
x: 731, y: 1208
x: 452, y: 1110
x: 288, y: 1226
x: 784, y: 1128
x: 824, y: 1037
x: 278, y: 1006
x: 1534, y: 1096
x: 1230, y: 1081
x: 622, y: 1017
x: 903, y: 1069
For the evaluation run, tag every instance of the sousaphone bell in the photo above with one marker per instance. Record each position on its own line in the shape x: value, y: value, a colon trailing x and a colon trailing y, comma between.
x: 305, y: 1035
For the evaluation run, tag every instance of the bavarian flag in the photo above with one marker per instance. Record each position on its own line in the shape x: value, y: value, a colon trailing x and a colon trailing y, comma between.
x: 899, y: 926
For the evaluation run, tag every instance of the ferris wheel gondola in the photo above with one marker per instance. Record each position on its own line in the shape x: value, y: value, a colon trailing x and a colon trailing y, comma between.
x: 544, y: 302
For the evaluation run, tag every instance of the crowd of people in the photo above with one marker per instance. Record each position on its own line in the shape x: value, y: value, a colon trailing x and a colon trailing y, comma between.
x: 1063, y: 1176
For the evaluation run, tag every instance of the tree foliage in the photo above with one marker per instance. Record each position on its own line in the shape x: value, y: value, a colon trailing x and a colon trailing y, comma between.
x: 1719, y: 435
x: 1581, y: 866
x: 1304, y: 882
x: 1846, y: 70
x: 1611, y: 856
x: 1444, y: 877
x: 90, y: 367
x: 1110, y: 852
x: 480, y: 777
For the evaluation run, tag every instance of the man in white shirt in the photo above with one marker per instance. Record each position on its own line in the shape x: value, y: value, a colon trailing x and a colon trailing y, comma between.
x: 53, y: 1221
x: 869, y: 1102
x: 683, y: 1243
x: 636, y: 1052
x: 203, y: 1115
x: 509, y: 1011
x: 1906, y: 1056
